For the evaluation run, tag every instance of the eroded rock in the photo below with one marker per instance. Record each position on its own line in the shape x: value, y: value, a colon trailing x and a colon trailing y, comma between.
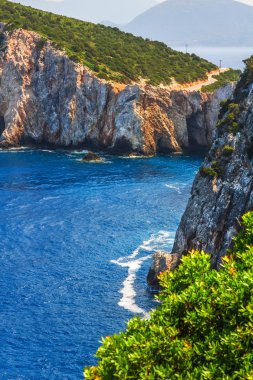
x: 45, y: 98
x: 92, y: 157
x: 223, y: 189
x: 162, y: 261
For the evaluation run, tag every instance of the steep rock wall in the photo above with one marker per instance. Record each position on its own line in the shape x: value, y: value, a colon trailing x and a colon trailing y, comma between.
x: 223, y: 189
x: 45, y: 98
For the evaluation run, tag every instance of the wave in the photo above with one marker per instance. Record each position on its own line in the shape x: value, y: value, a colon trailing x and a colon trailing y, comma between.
x: 174, y: 187
x: 49, y: 198
x: 47, y: 150
x: 160, y: 241
x: 19, y: 149
x: 135, y: 157
x: 84, y: 151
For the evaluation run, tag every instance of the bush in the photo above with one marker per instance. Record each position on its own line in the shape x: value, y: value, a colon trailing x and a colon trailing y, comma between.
x: 228, y: 150
x: 208, y: 172
x: 233, y: 128
x: 222, y: 80
x: 214, y: 171
x: 230, y: 121
x: 202, y: 330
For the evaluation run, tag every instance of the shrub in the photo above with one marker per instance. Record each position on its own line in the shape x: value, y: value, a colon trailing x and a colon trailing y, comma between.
x: 230, y: 121
x: 233, y: 128
x: 228, y: 150
x: 214, y: 171
x: 222, y: 80
x: 216, y: 167
x: 234, y: 108
x: 208, y: 172
x: 202, y: 330
x: 41, y: 43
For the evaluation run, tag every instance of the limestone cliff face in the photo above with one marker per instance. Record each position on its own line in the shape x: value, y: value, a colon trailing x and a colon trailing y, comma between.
x: 45, y: 98
x: 223, y: 188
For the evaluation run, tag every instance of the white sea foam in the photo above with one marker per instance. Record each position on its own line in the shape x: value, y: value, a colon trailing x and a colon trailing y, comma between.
x: 47, y: 150
x: 49, y: 198
x: 84, y: 151
x: 159, y: 241
x: 174, y: 187
x: 127, y: 300
x: 19, y: 149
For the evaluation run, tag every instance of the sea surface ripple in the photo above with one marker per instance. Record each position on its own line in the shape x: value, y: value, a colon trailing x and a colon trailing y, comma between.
x: 75, y: 248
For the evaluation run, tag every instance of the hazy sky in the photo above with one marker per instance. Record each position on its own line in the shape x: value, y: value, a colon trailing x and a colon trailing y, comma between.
x: 117, y: 11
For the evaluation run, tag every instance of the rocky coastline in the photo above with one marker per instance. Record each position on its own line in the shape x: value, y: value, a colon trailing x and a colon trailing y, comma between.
x: 223, y: 188
x: 47, y: 99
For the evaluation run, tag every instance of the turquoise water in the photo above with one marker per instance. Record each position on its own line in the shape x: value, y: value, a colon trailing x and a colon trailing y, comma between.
x: 75, y: 248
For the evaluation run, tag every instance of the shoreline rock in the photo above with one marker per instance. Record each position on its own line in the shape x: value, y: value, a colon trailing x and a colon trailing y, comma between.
x: 45, y: 98
x: 92, y: 157
x: 162, y: 261
x: 223, y: 188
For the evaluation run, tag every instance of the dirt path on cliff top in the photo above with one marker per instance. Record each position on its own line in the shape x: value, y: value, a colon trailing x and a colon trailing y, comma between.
x: 196, y: 86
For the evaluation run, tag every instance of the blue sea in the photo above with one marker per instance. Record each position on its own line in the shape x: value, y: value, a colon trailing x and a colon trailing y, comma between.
x: 75, y: 248
x: 227, y: 56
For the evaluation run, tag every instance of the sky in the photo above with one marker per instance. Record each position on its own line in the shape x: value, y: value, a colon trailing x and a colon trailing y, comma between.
x: 115, y: 11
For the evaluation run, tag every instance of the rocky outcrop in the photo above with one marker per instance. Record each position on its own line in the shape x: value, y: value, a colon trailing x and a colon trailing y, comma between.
x: 45, y: 98
x: 92, y: 157
x: 162, y: 261
x: 223, y: 188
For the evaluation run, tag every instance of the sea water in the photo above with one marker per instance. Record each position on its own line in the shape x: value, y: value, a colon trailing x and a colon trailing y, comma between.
x: 227, y: 56
x: 75, y: 248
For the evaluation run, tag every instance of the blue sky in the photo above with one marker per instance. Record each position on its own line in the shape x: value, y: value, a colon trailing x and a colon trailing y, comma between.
x: 117, y: 11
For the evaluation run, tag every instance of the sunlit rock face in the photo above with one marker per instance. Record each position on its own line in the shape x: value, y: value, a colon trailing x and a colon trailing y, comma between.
x: 223, y: 189
x: 45, y: 98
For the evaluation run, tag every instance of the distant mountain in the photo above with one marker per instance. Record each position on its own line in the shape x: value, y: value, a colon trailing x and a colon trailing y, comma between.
x: 197, y: 23
x: 116, y: 11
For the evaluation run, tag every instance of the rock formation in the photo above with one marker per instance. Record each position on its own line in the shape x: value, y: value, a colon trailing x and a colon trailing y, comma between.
x: 223, y: 188
x: 92, y: 157
x: 45, y: 98
x: 162, y: 261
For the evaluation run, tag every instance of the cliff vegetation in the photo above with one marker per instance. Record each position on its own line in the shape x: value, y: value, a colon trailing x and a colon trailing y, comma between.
x: 203, y: 328
x: 222, y: 79
x: 112, y: 54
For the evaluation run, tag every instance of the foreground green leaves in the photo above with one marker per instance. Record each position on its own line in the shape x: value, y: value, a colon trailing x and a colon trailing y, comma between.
x: 202, y: 330
x: 112, y: 54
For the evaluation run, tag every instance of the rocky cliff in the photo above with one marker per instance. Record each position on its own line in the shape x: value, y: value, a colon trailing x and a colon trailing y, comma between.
x: 223, y: 188
x: 45, y: 98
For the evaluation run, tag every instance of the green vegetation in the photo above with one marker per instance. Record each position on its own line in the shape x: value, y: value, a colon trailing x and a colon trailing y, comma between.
x: 214, y: 171
x: 247, y: 76
x: 202, y: 330
x: 208, y: 172
x: 230, y: 121
x: 112, y: 54
x: 228, y: 150
x: 222, y: 79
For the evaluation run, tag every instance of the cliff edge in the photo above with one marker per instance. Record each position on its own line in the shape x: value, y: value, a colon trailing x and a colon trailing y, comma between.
x: 223, y: 188
x: 47, y: 99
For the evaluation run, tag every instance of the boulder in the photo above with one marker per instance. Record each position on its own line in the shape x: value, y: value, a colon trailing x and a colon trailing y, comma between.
x: 162, y: 261
x: 92, y: 157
